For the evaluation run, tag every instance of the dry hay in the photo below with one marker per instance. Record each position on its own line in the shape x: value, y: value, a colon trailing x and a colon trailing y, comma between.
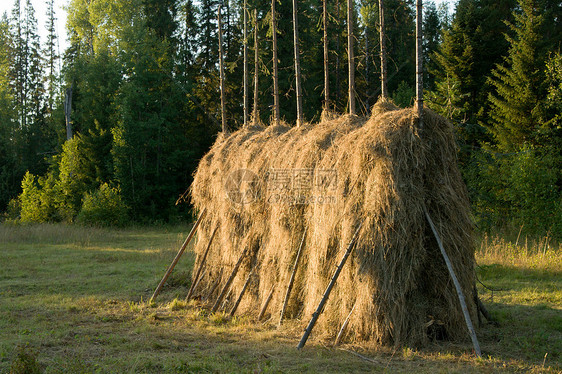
x: 387, y: 172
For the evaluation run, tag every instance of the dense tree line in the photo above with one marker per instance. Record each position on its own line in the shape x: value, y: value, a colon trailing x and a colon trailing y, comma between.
x: 146, y: 99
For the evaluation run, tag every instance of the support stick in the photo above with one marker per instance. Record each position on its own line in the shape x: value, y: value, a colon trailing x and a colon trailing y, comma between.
x: 221, y: 74
x: 267, y: 300
x: 202, y: 264
x: 246, y: 284
x: 228, y: 282
x: 316, y: 314
x: 177, y: 258
x: 344, y: 326
x: 197, y: 283
x: 292, y: 279
x: 457, y: 286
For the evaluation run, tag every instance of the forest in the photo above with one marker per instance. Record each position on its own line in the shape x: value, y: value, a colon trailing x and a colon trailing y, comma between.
x: 143, y: 77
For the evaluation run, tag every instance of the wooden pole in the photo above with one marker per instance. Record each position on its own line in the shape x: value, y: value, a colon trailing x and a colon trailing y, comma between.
x: 351, y: 61
x: 246, y: 96
x: 320, y: 307
x: 344, y: 326
x: 228, y: 282
x: 177, y: 258
x: 297, y: 64
x: 215, y: 284
x: 202, y: 263
x: 457, y: 287
x: 266, y: 303
x: 292, y: 278
x: 326, y: 56
x: 221, y: 67
x: 246, y: 284
x: 256, y: 69
x: 384, y: 92
x: 276, y: 114
x: 419, y: 62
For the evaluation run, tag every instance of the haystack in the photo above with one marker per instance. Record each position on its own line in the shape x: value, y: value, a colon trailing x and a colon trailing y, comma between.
x: 264, y: 187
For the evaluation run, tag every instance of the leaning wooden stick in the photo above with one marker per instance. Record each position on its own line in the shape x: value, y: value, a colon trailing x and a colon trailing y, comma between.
x: 292, y: 280
x: 196, y: 283
x: 344, y: 326
x: 202, y: 263
x: 242, y: 293
x: 316, y: 314
x: 228, y: 282
x: 177, y: 258
x: 457, y: 286
x: 267, y: 300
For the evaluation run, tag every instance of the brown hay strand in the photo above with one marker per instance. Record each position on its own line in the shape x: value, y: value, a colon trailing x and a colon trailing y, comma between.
x: 387, y: 171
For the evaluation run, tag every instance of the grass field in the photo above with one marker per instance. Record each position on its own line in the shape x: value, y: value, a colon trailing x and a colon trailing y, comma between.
x: 73, y: 300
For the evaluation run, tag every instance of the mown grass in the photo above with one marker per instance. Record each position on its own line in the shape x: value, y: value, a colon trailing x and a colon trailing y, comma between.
x: 73, y: 300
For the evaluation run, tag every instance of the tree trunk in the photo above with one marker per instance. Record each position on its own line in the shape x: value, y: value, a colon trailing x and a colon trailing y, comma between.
x: 419, y: 67
x: 221, y: 63
x: 326, y: 67
x: 297, y: 64
x: 67, y: 112
x: 246, y: 101
x: 384, y: 92
x: 256, y: 68
x: 276, y: 115
x: 351, y: 61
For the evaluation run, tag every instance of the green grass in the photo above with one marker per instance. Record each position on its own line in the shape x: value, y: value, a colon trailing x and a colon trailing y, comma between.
x: 74, y: 300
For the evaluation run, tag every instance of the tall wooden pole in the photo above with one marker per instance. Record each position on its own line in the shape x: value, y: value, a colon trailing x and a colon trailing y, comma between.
x: 326, y: 56
x: 256, y: 68
x: 221, y: 63
x: 351, y: 61
x: 419, y: 67
x: 246, y: 97
x: 384, y: 92
x: 297, y: 64
x: 276, y: 115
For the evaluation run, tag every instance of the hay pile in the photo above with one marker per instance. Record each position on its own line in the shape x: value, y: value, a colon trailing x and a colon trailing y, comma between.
x: 387, y: 172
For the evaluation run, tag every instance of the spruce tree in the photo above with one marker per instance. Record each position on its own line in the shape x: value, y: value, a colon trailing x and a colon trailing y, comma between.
x: 517, y: 105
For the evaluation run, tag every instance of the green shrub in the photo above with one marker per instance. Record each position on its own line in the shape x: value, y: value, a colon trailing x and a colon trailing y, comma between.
x: 103, y: 207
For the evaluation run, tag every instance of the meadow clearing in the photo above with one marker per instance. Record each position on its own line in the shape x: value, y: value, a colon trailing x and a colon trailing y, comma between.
x: 74, y: 300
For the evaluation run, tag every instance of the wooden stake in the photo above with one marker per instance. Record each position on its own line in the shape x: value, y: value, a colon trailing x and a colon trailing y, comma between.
x: 266, y: 303
x: 419, y: 62
x: 297, y: 64
x: 228, y: 282
x: 326, y: 56
x: 221, y: 67
x: 202, y: 263
x: 457, y: 287
x: 292, y: 278
x: 246, y: 284
x: 255, y: 115
x: 350, y: 59
x: 384, y: 93
x: 177, y: 258
x: 344, y: 326
x: 276, y: 115
x: 320, y: 307
x: 246, y: 96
